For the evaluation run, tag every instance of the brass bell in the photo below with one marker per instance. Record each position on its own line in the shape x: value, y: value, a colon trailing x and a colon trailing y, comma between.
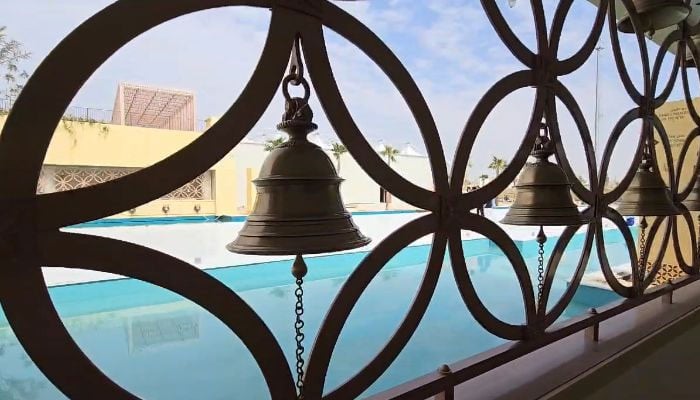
x: 298, y: 209
x: 692, y: 202
x: 655, y: 15
x: 647, y: 194
x: 689, y: 62
x: 543, y: 192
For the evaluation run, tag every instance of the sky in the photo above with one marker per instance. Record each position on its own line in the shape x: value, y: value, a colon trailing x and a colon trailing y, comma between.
x: 448, y: 46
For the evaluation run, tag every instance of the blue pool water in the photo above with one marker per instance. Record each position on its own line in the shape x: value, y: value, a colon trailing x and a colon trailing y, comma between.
x: 160, y: 346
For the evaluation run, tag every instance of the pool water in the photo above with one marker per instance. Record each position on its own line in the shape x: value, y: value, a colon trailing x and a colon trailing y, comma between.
x: 160, y: 346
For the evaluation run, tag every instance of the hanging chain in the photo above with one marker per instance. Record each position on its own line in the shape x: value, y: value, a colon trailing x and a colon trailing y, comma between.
x: 642, y: 249
x: 299, y: 270
x: 541, y: 239
x: 298, y: 327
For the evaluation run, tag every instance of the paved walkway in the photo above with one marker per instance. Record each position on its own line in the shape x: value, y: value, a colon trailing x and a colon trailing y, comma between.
x: 203, y: 244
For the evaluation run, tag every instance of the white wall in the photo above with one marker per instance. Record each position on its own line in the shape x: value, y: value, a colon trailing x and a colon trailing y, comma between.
x: 357, y: 189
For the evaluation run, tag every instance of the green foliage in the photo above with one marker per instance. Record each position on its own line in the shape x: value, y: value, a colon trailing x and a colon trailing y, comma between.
x: 390, y: 153
x: 338, y: 149
x: 271, y: 144
x: 68, y: 122
x: 498, y: 164
x: 11, y: 53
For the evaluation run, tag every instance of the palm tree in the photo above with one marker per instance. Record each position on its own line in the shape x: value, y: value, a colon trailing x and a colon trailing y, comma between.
x: 498, y: 164
x: 482, y: 178
x: 338, y: 149
x: 271, y: 144
x: 390, y: 153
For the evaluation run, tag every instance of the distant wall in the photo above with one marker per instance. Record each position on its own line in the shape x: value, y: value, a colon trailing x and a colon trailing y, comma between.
x: 358, y: 190
x: 114, y: 150
x: 678, y: 124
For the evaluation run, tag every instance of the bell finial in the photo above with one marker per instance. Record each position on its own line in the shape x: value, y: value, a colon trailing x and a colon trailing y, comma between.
x: 297, y: 110
x: 543, y: 147
x: 297, y: 120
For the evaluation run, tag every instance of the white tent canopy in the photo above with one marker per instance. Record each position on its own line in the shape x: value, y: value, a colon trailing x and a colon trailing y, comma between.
x: 409, y: 150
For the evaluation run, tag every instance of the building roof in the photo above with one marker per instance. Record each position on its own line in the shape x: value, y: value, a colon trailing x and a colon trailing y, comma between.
x: 152, y: 107
x: 380, y: 146
x: 316, y: 139
x: 409, y: 150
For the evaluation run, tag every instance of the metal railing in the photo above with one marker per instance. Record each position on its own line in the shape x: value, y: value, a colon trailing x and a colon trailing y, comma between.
x: 33, y: 317
x: 88, y: 114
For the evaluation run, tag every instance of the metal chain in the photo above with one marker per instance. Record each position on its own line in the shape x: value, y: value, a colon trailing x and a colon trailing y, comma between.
x: 298, y: 327
x: 541, y: 239
x: 540, y: 272
x: 642, y: 249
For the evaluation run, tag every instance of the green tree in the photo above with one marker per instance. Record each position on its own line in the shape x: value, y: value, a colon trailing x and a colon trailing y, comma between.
x: 271, y: 144
x: 338, y: 149
x: 11, y: 53
x: 390, y: 153
x: 483, y: 177
x: 498, y: 165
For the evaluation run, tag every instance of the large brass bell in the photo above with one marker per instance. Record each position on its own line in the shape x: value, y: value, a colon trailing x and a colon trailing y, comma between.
x: 543, y: 194
x: 692, y: 202
x: 655, y: 15
x: 298, y: 209
x: 647, y: 194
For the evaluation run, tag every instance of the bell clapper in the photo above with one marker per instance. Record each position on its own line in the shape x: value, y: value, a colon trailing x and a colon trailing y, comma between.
x: 541, y: 239
x: 299, y: 270
x: 642, y: 249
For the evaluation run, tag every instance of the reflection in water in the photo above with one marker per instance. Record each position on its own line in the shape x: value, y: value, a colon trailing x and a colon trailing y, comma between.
x: 13, y: 387
x: 280, y: 292
x: 159, y: 346
x: 484, y: 262
x: 156, y: 330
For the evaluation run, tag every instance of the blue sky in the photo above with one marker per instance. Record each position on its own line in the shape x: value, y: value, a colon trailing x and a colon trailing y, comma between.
x: 448, y: 46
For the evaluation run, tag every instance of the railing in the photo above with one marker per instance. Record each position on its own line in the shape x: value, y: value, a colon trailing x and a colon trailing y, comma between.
x: 88, y: 114
x: 27, y: 246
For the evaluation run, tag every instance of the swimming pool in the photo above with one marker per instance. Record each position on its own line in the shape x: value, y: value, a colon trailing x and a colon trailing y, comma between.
x: 159, y: 346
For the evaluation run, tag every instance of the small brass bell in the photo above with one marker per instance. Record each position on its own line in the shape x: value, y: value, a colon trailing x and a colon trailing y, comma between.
x: 655, y: 15
x: 647, y: 194
x: 543, y: 194
x: 298, y: 209
x: 689, y: 63
x: 692, y: 202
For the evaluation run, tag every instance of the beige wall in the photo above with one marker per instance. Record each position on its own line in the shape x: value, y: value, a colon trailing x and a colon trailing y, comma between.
x: 678, y: 125
x: 91, y: 145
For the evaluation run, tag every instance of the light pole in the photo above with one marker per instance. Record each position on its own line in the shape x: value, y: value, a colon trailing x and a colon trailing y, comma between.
x: 597, y: 101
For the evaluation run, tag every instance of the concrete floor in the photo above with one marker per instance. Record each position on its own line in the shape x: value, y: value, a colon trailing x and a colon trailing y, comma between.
x: 664, y: 367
